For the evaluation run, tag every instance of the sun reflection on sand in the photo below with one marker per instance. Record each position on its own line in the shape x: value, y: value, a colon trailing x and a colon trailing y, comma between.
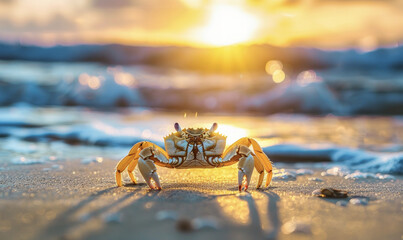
x: 234, y: 209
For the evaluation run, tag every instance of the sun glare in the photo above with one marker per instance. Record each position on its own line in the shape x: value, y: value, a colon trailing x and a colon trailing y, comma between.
x: 228, y: 25
x: 233, y: 133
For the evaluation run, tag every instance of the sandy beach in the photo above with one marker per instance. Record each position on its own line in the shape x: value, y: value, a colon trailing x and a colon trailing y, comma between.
x: 81, y: 201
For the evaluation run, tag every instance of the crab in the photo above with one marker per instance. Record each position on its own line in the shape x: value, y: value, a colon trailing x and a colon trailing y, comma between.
x: 196, y: 148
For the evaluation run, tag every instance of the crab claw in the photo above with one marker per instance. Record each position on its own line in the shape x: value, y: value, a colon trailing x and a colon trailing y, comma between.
x: 243, y: 180
x: 149, y: 172
x: 245, y: 166
x: 155, y: 184
x: 154, y: 176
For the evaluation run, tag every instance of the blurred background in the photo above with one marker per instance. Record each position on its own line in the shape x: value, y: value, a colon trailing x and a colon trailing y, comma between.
x: 243, y: 56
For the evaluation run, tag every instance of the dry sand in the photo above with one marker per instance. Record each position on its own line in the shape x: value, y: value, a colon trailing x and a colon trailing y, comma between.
x: 82, y: 202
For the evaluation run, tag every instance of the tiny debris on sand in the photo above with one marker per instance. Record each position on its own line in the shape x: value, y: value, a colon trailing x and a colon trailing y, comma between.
x: 330, y: 193
x: 166, y: 215
x: 341, y: 203
x: 205, y: 222
x: 184, y: 225
x: 89, y: 160
x: 359, y: 201
x: 296, y: 226
x: 284, y: 175
x: 336, y: 171
x: 113, y: 218
x: 314, y: 179
x: 301, y: 172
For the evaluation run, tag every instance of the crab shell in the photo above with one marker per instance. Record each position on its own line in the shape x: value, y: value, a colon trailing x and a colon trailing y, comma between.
x: 178, y: 141
x: 195, y: 146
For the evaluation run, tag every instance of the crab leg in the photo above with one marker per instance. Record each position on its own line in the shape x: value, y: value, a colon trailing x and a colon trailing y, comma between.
x: 147, y: 168
x: 122, y: 165
x: 131, y: 160
x: 132, y: 166
x: 259, y: 167
x: 245, y: 166
x: 261, y: 162
x: 263, y: 159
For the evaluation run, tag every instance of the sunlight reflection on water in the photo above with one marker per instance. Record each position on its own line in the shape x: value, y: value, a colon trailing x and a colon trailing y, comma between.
x: 233, y: 133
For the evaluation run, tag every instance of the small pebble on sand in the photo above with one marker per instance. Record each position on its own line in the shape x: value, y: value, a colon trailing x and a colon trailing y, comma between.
x: 89, y: 160
x: 314, y: 179
x: 294, y: 226
x: 316, y: 192
x: 206, y: 222
x: 359, y: 201
x: 330, y: 193
x: 301, y: 172
x: 184, y: 225
x: 166, y: 215
x: 113, y: 218
x: 341, y: 203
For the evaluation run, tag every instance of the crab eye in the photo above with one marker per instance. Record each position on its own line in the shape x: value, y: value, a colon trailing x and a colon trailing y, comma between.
x: 214, y: 127
x: 177, y: 127
x: 206, y: 134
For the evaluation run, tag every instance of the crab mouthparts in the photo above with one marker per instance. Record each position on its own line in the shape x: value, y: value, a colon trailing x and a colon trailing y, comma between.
x: 195, y: 139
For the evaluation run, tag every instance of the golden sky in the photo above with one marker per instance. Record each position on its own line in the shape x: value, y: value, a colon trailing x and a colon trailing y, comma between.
x: 327, y: 24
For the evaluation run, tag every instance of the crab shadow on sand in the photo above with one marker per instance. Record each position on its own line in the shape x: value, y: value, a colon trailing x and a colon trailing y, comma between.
x: 139, y: 205
x: 67, y: 221
x: 273, y: 216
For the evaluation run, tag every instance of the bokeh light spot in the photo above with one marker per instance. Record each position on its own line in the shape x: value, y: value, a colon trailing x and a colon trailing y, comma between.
x: 272, y: 66
x: 233, y: 133
x: 278, y: 76
x: 121, y: 77
x: 307, y: 77
x: 91, y: 81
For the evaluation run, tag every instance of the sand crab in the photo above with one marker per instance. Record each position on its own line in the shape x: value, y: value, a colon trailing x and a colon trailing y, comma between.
x: 196, y: 148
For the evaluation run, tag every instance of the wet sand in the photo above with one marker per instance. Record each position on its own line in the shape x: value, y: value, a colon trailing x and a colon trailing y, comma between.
x: 82, y: 202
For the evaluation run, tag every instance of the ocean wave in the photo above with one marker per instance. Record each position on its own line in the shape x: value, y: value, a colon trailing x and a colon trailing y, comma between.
x: 352, y: 159
x: 94, y: 85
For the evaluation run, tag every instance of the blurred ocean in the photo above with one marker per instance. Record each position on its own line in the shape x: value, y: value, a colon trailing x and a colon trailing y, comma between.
x: 205, y: 80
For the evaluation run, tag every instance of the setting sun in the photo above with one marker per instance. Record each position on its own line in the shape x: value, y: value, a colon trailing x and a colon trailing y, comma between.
x: 228, y: 25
